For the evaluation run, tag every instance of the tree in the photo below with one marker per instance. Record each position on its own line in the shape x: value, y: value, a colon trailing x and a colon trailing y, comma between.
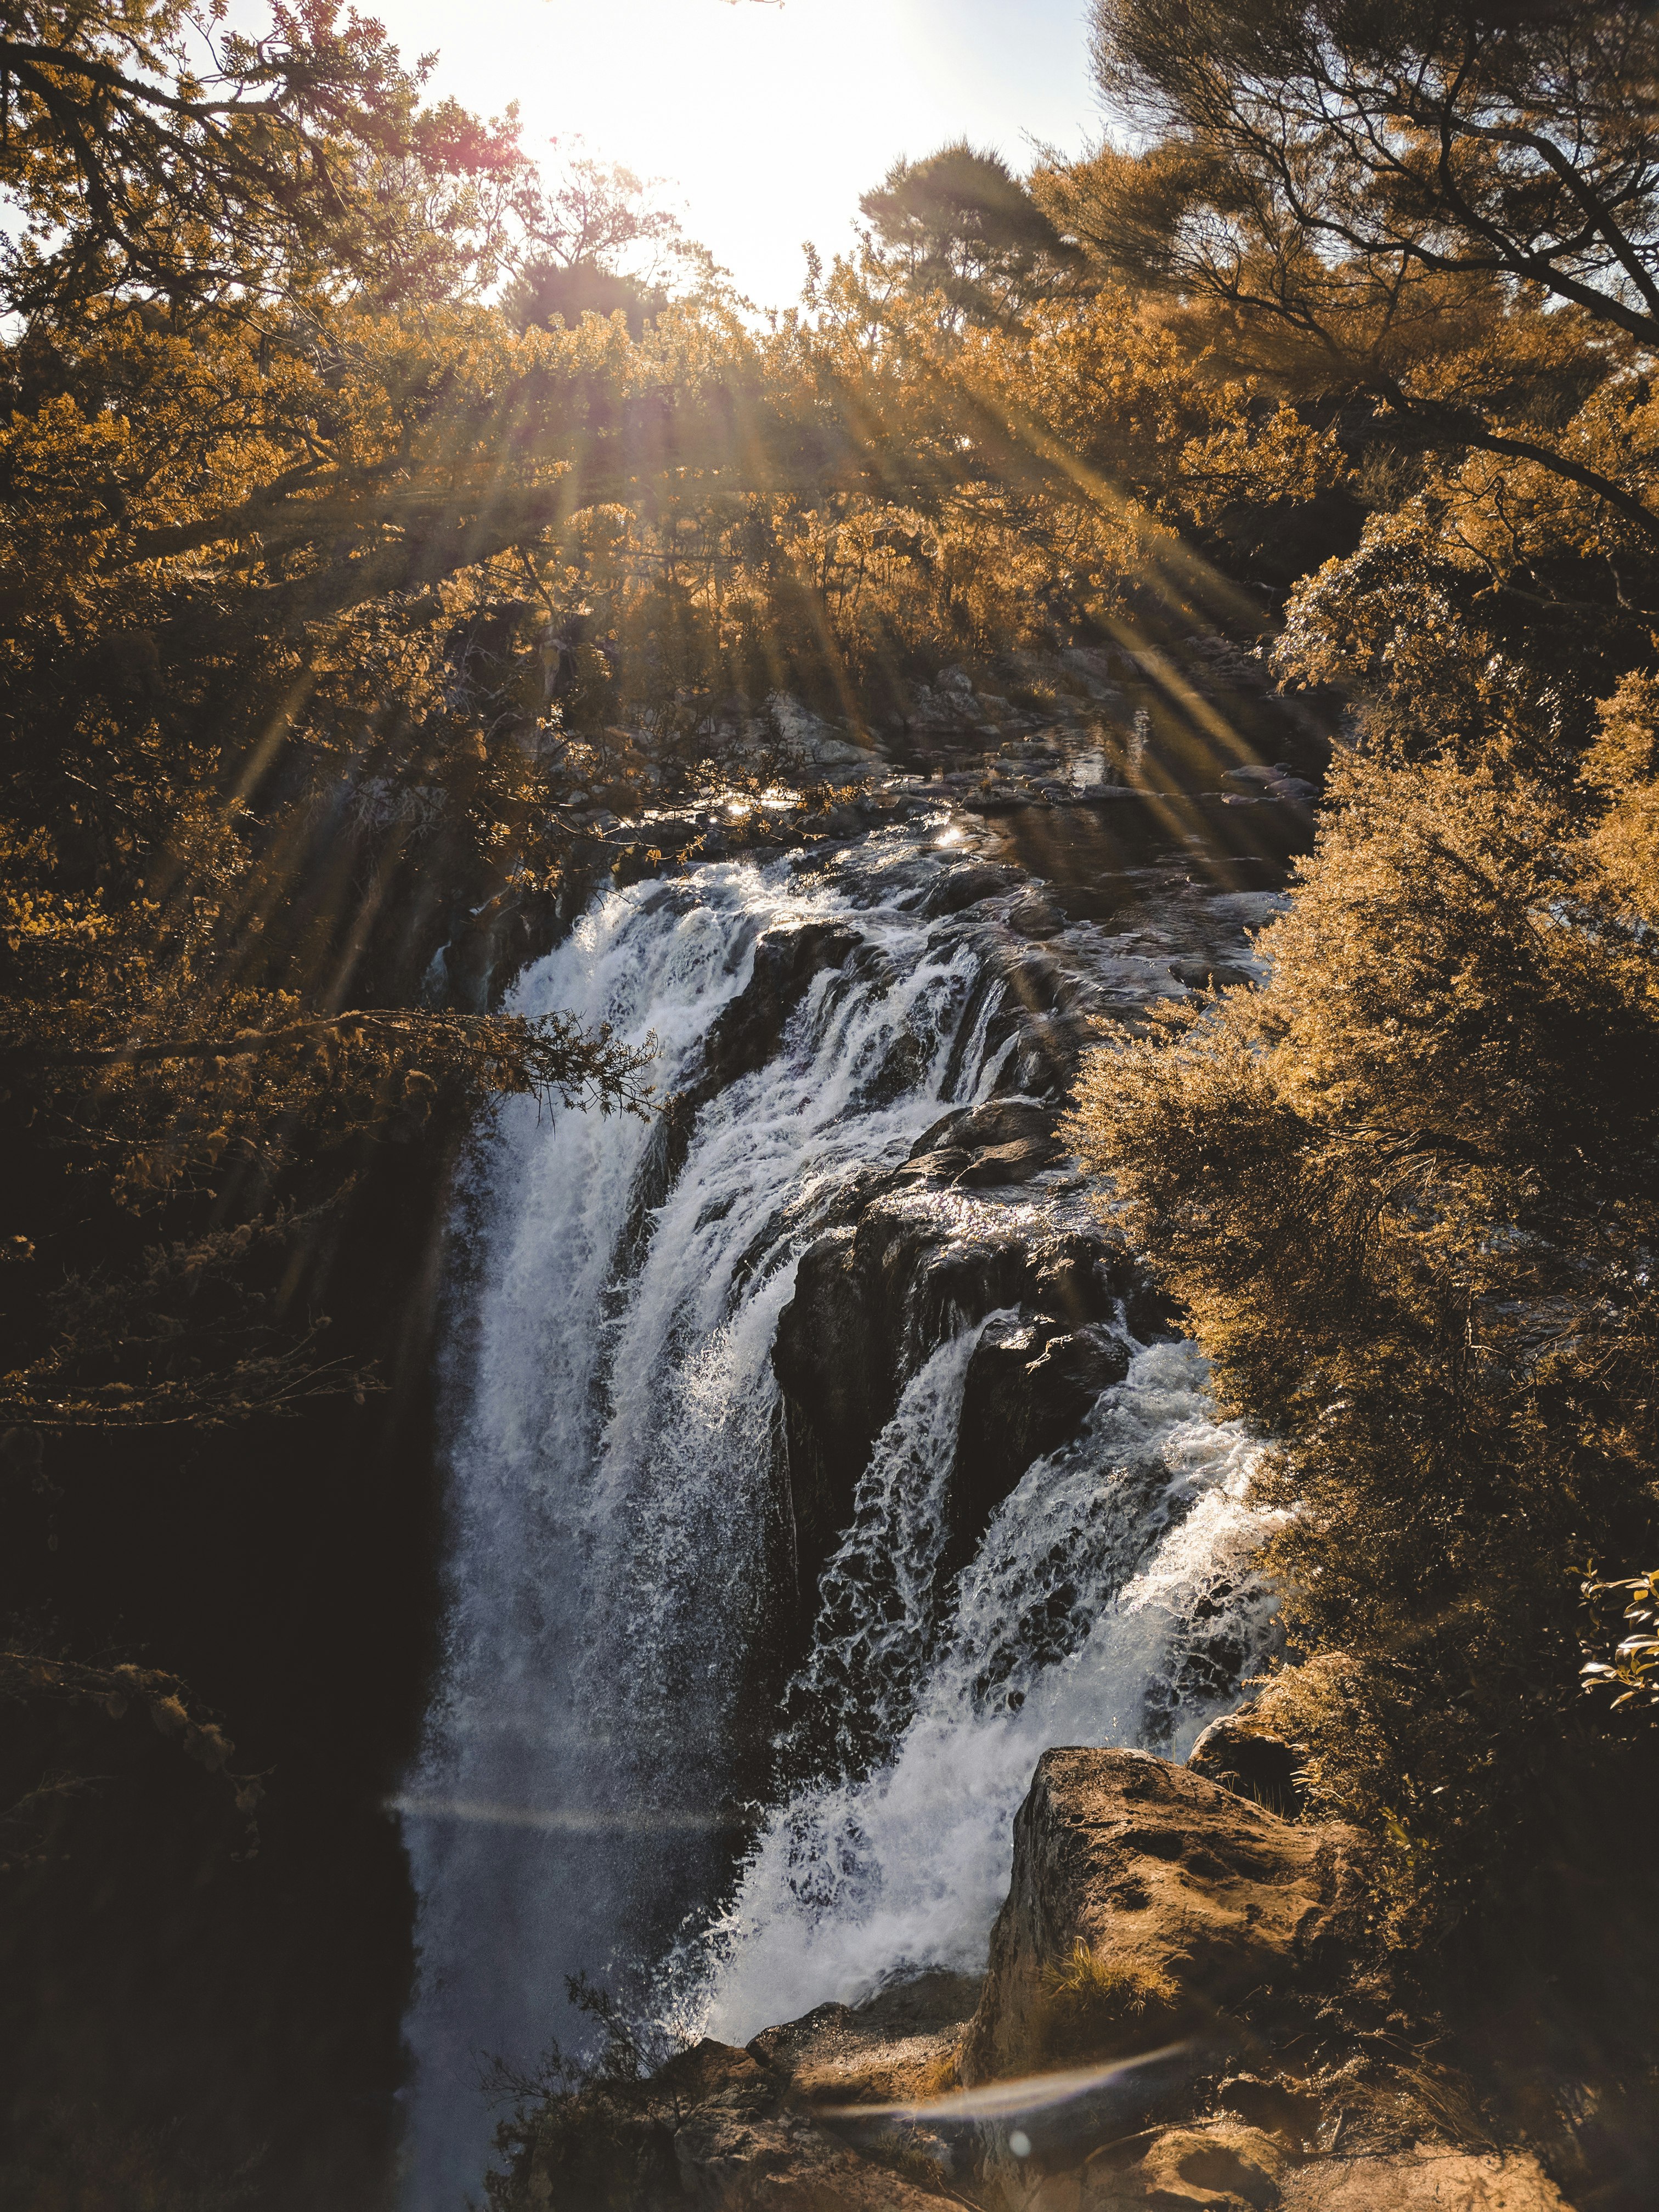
x: 962, y: 224
x: 1378, y: 202
x: 1493, y: 597
x: 596, y: 244
x: 152, y: 154
x: 1407, y: 1189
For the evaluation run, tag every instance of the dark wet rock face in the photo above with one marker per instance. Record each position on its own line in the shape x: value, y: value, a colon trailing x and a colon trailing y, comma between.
x: 749, y: 1030
x: 871, y: 1302
x: 837, y: 1392
x: 1032, y: 1384
x: 876, y: 1297
x: 1006, y: 1140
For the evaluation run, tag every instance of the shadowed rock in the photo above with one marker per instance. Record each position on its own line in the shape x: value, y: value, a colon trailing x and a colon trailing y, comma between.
x: 1005, y: 1141
x: 1030, y: 1385
x: 1245, y: 1758
x: 874, y: 1298
x: 750, y: 1029
x: 964, y: 887
x: 747, y: 2143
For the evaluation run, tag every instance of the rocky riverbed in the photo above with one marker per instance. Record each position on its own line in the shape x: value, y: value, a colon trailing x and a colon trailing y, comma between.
x: 1090, y: 777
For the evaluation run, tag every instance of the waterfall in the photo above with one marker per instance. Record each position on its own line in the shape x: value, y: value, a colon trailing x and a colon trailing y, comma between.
x: 592, y: 1793
x: 1112, y: 1601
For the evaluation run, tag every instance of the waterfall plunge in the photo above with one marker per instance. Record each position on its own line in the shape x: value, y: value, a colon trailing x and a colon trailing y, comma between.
x: 613, y: 1462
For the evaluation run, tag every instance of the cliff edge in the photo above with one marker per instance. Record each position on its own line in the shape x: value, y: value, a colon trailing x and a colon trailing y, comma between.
x: 1175, y: 2016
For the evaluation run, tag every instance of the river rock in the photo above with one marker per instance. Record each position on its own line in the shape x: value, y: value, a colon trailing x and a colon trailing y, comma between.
x: 1210, y: 974
x: 949, y: 708
x: 746, y: 2145
x: 714, y: 2130
x: 871, y: 1302
x: 1006, y: 1140
x: 998, y: 1166
x: 1095, y: 663
x: 1033, y: 915
x: 813, y: 744
x: 900, y: 2045
x: 1175, y: 1898
x: 962, y: 888
x: 1081, y: 1279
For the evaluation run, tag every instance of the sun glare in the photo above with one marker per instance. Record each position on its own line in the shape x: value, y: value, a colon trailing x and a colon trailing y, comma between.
x: 766, y: 122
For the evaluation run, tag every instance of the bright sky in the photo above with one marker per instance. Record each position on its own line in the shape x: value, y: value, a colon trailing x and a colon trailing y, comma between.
x: 767, y: 121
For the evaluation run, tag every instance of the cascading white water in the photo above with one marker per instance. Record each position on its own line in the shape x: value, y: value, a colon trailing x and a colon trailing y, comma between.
x: 1076, y: 1623
x: 612, y: 1463
x: 877, y: 1595
x: 614, y: 1479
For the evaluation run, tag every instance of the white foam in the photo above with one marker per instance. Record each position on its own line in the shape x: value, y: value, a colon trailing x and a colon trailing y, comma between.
x: 1116, y: 1546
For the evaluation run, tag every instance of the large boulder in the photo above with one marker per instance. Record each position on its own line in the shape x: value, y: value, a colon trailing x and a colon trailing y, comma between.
x: 1218, y: 2166
x: 1144, y: 1902
x: 716, y: 2129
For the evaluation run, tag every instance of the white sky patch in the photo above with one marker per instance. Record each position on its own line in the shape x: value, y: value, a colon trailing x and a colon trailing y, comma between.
x: 767, y: 122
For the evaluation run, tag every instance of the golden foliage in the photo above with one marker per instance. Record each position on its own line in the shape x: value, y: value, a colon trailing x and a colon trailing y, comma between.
x: 1406, y: 1189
